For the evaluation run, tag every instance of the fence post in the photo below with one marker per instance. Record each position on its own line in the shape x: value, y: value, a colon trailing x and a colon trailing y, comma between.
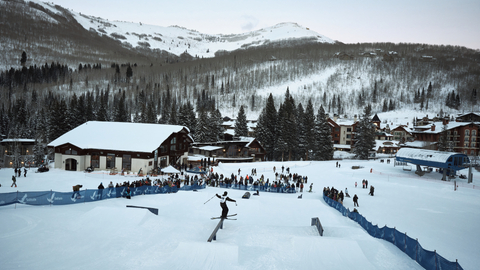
x: 50, y: 197
x: 405, y: 246
x: 16, y: 200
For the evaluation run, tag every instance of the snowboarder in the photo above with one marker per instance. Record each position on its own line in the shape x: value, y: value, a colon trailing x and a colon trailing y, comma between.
x: 311, y: 186
x: 24, y: 172
x: 355, y: 201
x: 223, y: 203
x: 346, y: 193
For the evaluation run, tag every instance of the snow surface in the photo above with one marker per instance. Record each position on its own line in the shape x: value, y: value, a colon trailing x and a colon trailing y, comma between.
x: 272, y: 230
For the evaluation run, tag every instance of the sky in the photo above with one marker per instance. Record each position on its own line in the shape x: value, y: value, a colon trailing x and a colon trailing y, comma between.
x: 272, y: 230
x: 440, y: 22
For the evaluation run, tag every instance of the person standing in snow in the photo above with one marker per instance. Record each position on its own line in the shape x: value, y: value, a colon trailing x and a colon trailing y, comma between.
x: 355, y: 201
x: 223, y: 203
x: 14, y: 181
x: 371, y: 190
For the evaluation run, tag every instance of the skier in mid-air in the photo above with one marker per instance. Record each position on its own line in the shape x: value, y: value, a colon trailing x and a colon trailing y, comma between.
x: 223, y: 203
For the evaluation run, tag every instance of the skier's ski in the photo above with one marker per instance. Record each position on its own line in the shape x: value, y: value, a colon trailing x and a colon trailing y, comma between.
x: 226, y: 218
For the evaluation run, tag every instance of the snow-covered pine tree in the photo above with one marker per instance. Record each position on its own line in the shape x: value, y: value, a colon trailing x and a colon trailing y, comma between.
x: 301, y: 136
x: 442, y: 144
x: 266, y: 127
x: 216, y: 129
x: 323, y: 142
x: 201, y: 129
x: 241, y: 128
x: 281, y: 143
x: 364, y: 135
x: 309, y: 124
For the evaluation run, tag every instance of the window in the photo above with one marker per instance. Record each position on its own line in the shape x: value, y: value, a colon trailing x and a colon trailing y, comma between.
x: 467, y: 132
x: 95, y: 160
x: 349, y: 136
x: 173, y: 140
x: 474, y: 133
x: 349, y: 129
x: 127, y: 162
x: 172, y: 147
x: 466, y: 144
x: 163, y: 149
x: 110, y: 161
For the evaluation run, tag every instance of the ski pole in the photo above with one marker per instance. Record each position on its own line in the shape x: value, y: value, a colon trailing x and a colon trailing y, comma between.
x: 209, y: 199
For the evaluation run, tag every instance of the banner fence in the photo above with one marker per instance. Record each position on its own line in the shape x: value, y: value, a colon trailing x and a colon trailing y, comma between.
x: 82, y: 196
x: 429, y: 260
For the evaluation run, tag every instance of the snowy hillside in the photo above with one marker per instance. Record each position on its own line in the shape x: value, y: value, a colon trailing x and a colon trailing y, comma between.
x: 178, y: 40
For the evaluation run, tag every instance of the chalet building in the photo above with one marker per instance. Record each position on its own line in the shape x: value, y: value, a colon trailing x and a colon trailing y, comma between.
x: 387, y: 147
x: 463, y: 136
x: 343, y: 133
x: 243, y: 149
x: 402, y: 134
x: 121, y: 146
x: 17, y: 153
x: 335, y: 131
x: 468, y: 117
x: 343, y: 56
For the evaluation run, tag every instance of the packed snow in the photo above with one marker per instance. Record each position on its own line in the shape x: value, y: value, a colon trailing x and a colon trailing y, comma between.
x: 272, y: 231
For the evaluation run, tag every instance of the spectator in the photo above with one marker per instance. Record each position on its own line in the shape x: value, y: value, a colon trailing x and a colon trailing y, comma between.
x: 14, y: 181
x: 355, y: 201
x: 76, y: 190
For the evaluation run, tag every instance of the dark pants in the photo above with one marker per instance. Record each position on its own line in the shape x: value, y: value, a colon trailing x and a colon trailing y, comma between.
x: 224, y: 210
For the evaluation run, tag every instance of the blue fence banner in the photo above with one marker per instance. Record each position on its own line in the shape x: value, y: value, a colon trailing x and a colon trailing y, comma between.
x: 88, y: 195
x: 263, y: 188
x: 429, y: 260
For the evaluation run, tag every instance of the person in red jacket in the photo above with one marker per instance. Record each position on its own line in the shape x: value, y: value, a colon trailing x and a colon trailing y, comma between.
x: 223, y: 203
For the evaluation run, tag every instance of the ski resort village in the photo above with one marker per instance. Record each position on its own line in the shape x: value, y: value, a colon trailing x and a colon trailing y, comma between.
x: 206, y: 136
x: 111, y: 190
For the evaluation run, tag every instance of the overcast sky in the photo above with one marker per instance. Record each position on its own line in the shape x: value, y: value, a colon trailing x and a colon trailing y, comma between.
x: 448, y: 22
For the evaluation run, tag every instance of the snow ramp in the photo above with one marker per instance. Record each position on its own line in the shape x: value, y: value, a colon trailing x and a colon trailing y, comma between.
x: 203, y: 256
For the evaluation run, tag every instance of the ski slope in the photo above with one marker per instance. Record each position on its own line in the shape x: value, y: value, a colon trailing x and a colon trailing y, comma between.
x: 272, y: 231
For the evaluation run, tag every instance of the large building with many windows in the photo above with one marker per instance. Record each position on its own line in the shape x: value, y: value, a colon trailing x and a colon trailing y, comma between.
x: 121, y: 146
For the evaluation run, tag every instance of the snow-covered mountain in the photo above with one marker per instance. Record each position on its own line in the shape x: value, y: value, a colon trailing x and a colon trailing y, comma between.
x: 178, y: 40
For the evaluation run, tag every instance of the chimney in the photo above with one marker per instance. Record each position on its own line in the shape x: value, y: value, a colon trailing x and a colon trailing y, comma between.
x: 335, y: 117
x: 433, y: 127
x: 445, y: 120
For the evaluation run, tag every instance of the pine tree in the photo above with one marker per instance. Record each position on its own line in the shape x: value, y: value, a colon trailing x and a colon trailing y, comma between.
x: 364, y: 135
x: 323, y: 135
x: 309, y: 123
x: 216, y: 129
x: 266, y: 127
x: 201, y: 129
x: 301, y: 135
x: 430, y: 90
x: 241, y: 128
x: 23, y: 59
x: 442, y: 144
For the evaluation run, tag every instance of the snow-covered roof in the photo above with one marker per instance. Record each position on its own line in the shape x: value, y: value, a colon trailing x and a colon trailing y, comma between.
x: 18, y: 140
x: 120, y: 136
x: 423, y: 154
x: 439, y: 125
x: 210, y: 148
